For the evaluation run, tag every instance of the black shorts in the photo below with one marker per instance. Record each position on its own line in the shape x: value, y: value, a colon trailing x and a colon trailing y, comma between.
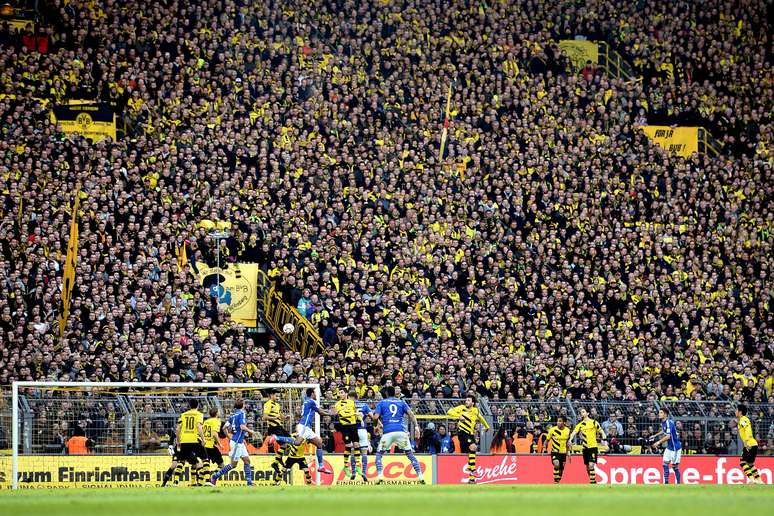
x: 290, y: 462
x: 191, y: 453
x: 349, y: 433
x: 466, y: 441
x: 590, y: 455
x: 749, y: 455
x: 214, y: 455
x: 561, y: 457
x: 277, y: 430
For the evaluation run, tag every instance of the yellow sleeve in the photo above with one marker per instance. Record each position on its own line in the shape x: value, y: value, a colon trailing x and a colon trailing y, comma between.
x: 456, y: 411
x: 483, y: 421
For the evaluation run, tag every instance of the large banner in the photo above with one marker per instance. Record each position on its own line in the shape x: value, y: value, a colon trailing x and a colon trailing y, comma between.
x: 236, y: 288
x: 95, y: 471
x: 682, y: 141
x: 396, y: 469
x: 580, y: 51
x: 92, y: 121
x: 613, y: 469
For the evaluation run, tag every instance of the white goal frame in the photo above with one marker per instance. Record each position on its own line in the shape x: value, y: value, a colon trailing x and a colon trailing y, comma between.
x: 170, y: 385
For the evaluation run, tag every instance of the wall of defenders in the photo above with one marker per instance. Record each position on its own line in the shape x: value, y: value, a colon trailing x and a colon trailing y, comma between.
x: 58, y: 471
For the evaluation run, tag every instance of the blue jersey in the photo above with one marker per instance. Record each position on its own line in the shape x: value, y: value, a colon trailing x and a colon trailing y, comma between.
x: 307, y: 413
x: 236, y: 421
x: 365, y: 409
x: 392, y: 411
x: 669, y: 428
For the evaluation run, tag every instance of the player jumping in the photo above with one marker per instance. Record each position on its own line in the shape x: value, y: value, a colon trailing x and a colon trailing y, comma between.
x: 346, y: 410
x: 190, y: 437
x: 556, y: 444
x: 468, y: 417
x: 305, y: 430
x: 588, y: 429
x: 274, y: 418
x: 237, y: 424
x: 391, y: 412
x: 673, y: 451
x: 750, y: 450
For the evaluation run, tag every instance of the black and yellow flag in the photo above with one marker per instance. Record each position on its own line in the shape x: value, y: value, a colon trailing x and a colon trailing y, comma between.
x: 68, y: 278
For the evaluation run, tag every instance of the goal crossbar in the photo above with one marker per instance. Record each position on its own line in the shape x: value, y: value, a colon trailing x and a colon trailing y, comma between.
x: 199, y: 386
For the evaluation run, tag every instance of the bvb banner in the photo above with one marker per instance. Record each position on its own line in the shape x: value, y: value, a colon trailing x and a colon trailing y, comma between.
x: 93, y: 121
x: 237, y: 292
x: 682, y: 141
x: 580, y: 51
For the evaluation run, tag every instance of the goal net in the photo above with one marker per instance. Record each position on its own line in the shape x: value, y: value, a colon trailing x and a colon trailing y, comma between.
x: 67, y: 434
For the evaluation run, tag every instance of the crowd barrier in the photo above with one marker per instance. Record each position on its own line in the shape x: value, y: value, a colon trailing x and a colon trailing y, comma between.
x: 105, y: 471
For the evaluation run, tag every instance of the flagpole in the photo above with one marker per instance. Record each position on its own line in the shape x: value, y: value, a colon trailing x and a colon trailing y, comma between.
x: 445, y: 132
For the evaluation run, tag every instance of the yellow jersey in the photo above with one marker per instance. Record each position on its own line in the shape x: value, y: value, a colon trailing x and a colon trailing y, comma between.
x: 294, y: 451
x: 272, y: 412
x: 588, y: 429
x: 467, y: 418
x: 557, y: 439
x: 189, y: 422
x: 347, y: 412
x: 746, y: 432
x: 211, y: 429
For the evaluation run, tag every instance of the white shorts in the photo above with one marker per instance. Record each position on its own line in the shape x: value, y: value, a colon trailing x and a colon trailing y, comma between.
x: 236, y: 451
x: 304, y: 432
x: 672, y: 456
x: 362, y: 435
x: 400, y: 439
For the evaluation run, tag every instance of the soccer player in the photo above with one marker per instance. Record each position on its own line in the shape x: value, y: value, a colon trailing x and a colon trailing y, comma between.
x: 305, y: 430
x: 176, y: 468
x: 673, y: 451
x: 363, y: 411
x: 190, y: 436
x: 391, y: 412
x: 294, y: 455
x: 213, y: 428
x: 272, y: 415
x: 588, y: 429
x: 468, y: 417
x: 346, y: 410
x: 556, y: 444
x: 750, y: 450
x: 237, y: 424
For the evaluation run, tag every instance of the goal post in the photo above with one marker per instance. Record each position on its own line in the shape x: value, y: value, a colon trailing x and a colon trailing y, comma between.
x: 124, y: 428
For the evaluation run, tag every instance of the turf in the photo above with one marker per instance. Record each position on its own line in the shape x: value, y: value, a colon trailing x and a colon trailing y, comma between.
x: 394, y: 500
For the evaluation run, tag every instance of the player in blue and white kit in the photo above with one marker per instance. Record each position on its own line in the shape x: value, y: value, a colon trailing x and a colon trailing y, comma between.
x: 674, y: 449
x: 392, y: 411
x: 305, y: 428
x: 363, y: 411
x: 237, y: 427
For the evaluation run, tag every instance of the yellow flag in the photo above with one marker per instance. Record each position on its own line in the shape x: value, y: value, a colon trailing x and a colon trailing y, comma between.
x: 68, y: 278
x: 182, y: 257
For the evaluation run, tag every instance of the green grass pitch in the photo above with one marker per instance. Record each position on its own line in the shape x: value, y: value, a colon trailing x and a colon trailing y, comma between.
x: 373, y: 500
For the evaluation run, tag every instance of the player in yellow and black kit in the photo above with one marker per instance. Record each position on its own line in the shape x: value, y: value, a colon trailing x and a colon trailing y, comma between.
x: 556, y: 443
x: 750, y: 450
x: 294, y: 455
x: 212, y: 429
x: 346, y: 411
x: 190, y: 436
x: 588, y: 430
x: 272, y: 415
x: 468, y: 416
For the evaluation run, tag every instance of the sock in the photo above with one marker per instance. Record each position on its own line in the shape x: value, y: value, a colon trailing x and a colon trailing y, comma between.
x: 364, y: 456
x: 206, y: 470
x: 249, y: 474
x: 414, y: 462
x: 226, y: 469
x: 676, y: 468
x: 746, y: 468
x: 307, y: 477
x: 472, y: 466
x: 756, y: 475
x: 561, y: 472
x: 178, y: 473
x: 168, y: 476
x: 347, y: 455
x: 666, y: 473
x: 319, y: 458
x: 592, y: 475
x: 278, y: 456
x: 379, y: 463
x: 196, y: 476
x: 355, y: 456
x: 285, y: 440
x: 557, y: 475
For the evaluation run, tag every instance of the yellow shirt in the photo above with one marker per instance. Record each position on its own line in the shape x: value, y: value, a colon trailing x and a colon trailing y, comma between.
x: 746, y: 432
x: 211, y: 428
x: 272, y: 412
x: 347, y: 411
x: 588, y: 429
x: 189, y: 422
x: 557, y: 439
x: 467, y: 417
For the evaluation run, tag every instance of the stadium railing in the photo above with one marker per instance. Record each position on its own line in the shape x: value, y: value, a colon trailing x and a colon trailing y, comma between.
x: 613, y: 63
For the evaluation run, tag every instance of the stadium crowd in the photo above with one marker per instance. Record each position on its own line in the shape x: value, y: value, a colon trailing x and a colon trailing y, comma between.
x: 552, y: 252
